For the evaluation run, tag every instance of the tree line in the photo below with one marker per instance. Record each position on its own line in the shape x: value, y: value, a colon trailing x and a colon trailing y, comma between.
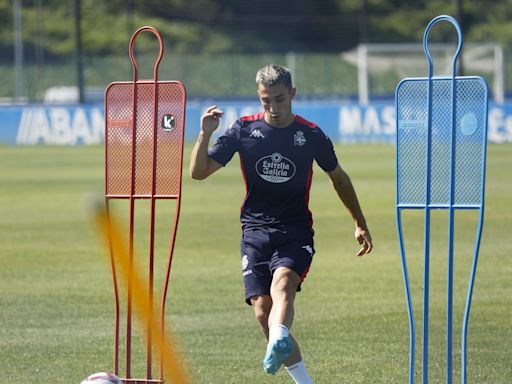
x: 248, y: 26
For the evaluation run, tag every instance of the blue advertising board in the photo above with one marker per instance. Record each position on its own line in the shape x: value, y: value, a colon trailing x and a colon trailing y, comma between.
x: 346, y: 122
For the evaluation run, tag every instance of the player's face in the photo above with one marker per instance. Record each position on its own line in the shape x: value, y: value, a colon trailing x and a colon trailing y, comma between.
x: 277, y: 104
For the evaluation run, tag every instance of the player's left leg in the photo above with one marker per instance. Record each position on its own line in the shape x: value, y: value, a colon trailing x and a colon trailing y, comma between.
x: 290, y: 263
x: 262, y: 305
x: 283, y: 289
x: 274, y: 305
x: 280, y: 347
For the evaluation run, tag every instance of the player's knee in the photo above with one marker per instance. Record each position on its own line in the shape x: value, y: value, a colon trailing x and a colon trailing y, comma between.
x: 285, y: 283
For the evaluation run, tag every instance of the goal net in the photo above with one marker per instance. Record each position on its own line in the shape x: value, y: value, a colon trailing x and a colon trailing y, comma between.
x: 381, y: 66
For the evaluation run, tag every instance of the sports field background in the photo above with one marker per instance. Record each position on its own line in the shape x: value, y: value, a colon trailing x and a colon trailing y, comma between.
x: 56, y: 302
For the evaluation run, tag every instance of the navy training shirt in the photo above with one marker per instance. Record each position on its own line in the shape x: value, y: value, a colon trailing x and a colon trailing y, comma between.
x: 277, y: 165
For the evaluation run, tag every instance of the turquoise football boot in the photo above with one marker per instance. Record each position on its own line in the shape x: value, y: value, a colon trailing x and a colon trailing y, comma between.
x: 277, y: 353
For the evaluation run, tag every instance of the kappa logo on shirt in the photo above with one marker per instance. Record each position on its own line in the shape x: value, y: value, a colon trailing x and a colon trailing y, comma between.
x: 308, y: 248
x: 257, y: 133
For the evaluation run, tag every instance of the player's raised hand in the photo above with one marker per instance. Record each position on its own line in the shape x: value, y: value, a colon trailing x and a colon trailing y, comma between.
x: 210, y: 119
x: 364, y: 238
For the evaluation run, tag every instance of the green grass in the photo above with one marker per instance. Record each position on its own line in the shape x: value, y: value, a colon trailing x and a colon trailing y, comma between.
x: 56, y: 305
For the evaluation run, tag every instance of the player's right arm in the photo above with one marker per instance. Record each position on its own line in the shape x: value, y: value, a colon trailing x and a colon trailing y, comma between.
x: 201, y: 164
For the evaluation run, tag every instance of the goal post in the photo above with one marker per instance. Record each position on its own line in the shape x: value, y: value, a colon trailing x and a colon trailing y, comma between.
x: 381, y: 66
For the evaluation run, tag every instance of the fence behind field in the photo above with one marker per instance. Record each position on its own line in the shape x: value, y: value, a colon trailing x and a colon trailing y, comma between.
x: 343, y: 76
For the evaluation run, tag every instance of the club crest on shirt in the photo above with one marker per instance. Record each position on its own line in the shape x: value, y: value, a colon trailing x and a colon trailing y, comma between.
x: 299, y: 139
x: 245, y: 262
x: 275, y: 168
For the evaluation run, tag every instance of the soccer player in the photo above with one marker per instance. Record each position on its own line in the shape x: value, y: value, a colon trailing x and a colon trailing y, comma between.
x: 276, y: 149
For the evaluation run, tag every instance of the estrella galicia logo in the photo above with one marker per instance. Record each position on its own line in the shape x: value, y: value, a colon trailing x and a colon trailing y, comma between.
x: 275, y: 168
x: 168, y: 122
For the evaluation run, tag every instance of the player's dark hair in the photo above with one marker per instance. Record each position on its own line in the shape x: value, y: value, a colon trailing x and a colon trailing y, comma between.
x: 273, y: 74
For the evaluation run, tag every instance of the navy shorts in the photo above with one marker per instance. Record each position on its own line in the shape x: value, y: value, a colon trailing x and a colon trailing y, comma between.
x: 263, y: 250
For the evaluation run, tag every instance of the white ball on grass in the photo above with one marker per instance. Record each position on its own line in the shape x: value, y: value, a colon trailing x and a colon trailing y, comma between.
x: 102, y: 378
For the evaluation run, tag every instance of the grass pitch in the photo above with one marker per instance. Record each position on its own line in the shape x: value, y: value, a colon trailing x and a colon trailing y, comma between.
x: 56, y: 306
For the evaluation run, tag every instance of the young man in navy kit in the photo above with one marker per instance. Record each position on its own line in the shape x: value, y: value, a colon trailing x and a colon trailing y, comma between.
x: 276, y: 150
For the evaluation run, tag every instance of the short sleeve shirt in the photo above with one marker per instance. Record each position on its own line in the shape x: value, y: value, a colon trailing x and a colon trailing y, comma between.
x: 277, y: 165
